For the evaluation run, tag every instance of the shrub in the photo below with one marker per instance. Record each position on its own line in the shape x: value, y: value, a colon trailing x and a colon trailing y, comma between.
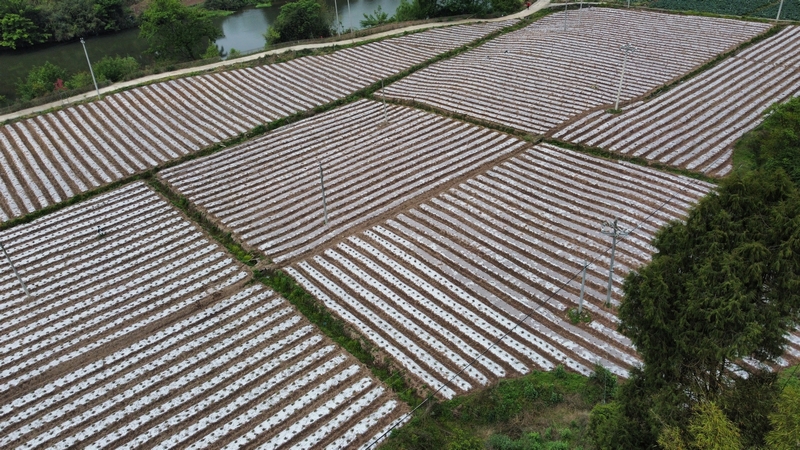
x: 408, y: 11
x: 116, y: 68
x: 228, y: 5
x: 378, y: 17
x: 506, y: 6
x: 79, y: 80
x: 40, y: 81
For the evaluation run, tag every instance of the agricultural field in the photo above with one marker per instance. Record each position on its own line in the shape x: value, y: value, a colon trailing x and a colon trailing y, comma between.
x: 436, y: 285
x: 790, y: 11
x: 53, y: 157
x: 367, y: 165
x: 695, y: 125
x: 541, y: 76
x: 139, y: 332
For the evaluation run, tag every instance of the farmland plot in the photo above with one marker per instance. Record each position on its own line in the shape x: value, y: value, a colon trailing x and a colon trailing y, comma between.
x: 539, y: 77
x: 51, y: 158
x: 695, y: 125
x: 437, y: 285
x: 139, y: 334
x: 274, y: 202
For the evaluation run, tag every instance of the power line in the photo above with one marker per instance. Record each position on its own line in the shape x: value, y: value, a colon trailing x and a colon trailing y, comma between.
x: 521, y: 321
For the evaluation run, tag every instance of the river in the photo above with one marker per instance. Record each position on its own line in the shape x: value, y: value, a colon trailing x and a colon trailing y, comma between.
x: 243, y: 30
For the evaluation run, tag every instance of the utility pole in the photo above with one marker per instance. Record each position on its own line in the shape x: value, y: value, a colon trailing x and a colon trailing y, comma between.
x: 14, y: 269
x: 322, y: 183
x: 612, y: 229
x: 778, y: 17
x: 565, y: 16
x: 628, y: 49
x: 583, y: 287
x: 91, y: 71
x: 385, y: 116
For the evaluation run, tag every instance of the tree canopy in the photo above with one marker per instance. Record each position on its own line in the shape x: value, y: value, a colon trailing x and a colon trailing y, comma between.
x: 776, y: 142
x: 177, y: 32
x: 303, y: 19
x: 723, y: 287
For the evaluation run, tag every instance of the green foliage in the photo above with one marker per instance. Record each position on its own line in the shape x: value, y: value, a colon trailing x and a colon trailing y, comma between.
x: 212, y: 51
x: 785, y: 420
x: 458, y: 7
x: 303, y: 19
x: 228, y: 5
x: 17, y: 31
x: 115, y: 68
x: 602, y: 385
x: 671, y: 439
x: 723, y: 286
x: 40, y: 81
x: 408, y: 11
x: 79, y: 80
x: 177, y: 32
x: 506, y: 6
x: 775, y: 144
x: 233, y: 53
x: 607, y: 426
x: 502, y: 412
x: 378, y: 17
x: 711, y: 430
x: 730, y: 7
x: 576, y: 318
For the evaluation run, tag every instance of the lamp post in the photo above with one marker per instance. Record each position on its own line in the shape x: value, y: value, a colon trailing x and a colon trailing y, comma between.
x: 780, y: 7
x: 14, y: 269
x: 96, y: 89
x: 352, y: 25
x: 628, y: 49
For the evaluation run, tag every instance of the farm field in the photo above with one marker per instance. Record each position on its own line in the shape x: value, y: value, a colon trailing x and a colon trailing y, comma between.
x: 540, y: 77
x: 437, y: 284
x: 140, y: 333
x: 274, y: 202
x: 695, y: 125
x: 53, y: 157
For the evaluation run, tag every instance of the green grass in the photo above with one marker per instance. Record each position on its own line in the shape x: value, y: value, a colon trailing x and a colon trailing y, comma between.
x: 541, y: 410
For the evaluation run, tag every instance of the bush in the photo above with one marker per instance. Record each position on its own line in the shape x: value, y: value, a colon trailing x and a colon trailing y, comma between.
x: 116, y: 68
x: 378, y: 17
x: 79, y: 80
x: 408, y: 11
x: 40, y: 81
x: 303, y: 19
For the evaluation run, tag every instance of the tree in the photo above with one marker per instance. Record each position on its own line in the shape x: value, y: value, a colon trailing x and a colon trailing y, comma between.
x: 785, y: 434
x: 116, y: 68
x: 20, y: 24
x: 776, y: 142
x: 722, y: 287
x: 303, y: 19
x: 378, y: 17
x: 175, y: 31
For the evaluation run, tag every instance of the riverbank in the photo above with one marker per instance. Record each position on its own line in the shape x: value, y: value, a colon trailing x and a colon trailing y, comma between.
x: 539, y: 5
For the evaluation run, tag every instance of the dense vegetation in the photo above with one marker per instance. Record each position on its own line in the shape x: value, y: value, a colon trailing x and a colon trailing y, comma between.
x: 47, y: 78
x: 542, y: 410
x: 28, y: 22
x: 177, y: 32
x: 756, y: 8
x: 775, y: 144
x: 303, y: 19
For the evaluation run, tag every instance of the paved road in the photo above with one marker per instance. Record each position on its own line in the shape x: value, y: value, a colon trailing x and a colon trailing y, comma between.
x: 164, y: 75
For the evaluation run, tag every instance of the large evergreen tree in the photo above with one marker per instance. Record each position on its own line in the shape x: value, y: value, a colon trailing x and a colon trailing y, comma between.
x: 723, y: 287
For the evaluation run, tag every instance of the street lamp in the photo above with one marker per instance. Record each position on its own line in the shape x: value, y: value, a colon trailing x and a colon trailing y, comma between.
x: 352, y: 25
x: 628, y: 49
x: 778, y: 17
x: 83, y: 43
x: 338, y: 24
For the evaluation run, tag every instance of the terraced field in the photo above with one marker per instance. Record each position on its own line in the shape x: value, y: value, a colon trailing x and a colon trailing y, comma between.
x: 695, y: 125
x: 541, y: 76
x: 368, y: 167
x: 437, y: 285
x: 138, y: 333
x: 51, y: 158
